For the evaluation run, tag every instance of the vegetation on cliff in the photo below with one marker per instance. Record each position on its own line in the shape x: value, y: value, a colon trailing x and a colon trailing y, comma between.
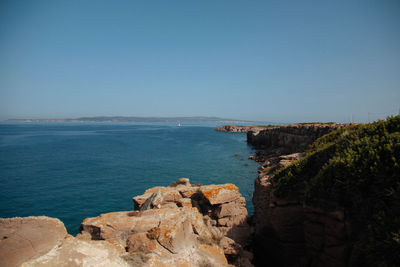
x: 355, y: 169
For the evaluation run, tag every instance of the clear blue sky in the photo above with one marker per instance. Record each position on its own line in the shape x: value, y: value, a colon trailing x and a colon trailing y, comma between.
x: 281, y: 61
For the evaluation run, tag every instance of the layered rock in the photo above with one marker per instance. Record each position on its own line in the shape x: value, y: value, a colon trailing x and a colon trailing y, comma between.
x: 277, y: 222
x: 289, y: 138
x: 286, y: 232
x: 221, y: 207
x: 293, y: 234
x: 162, y: 237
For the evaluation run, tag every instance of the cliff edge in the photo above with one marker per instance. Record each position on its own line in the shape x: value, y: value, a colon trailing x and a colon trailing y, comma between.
x: 337, y: 204
x: 239, y: 129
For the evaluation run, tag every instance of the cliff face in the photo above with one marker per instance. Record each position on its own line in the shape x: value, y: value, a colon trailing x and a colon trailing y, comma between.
x: 179, y: 225
x: 293, y: 234
x: 289, y: 138
x: 284, y: 230
x: 332, y: 207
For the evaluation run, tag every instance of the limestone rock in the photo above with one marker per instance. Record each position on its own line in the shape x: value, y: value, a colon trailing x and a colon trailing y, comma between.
x: 185, y: 202
x: 155, y: 200
x: 176, y: 233
x: 181, y: 181
x: 230, y: 247
x: 140, y: 242
x: 74, y: 252
x: 289, y: 138
x: 160, y: 237
x: 180, y: 225
x: 218, y: 194
x: 27, y: 238
x: 215, y: 253
x: 230, y: 209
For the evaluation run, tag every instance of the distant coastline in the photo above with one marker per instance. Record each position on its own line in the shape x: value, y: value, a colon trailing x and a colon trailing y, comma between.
x: 134, y: 119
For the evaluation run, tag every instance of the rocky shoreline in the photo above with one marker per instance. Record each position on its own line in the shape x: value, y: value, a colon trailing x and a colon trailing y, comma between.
x: 178, y: 225
x: 195, y: 225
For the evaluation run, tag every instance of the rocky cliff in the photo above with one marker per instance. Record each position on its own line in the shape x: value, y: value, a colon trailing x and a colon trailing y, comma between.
x: 289, y: 138
x: 179, y: 225
x: 278, y: 222
x: 291, y: 233
x: 335, y: 205
x: 239, y: 129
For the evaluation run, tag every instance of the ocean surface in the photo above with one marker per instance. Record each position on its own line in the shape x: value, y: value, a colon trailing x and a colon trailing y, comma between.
x: 73, y: 170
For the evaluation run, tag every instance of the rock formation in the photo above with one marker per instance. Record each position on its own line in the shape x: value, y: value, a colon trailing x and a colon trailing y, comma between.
x: 286, y: 232
x: 289, y: 138
x: 291, y: 233
x: 221, y: 207
x: 238, y: 129
x: 180, y: 225
x: 43, y: 241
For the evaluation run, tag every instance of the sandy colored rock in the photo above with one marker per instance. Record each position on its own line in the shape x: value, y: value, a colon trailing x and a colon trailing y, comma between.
x: 169, y: 205
x: 171, y: 196
x: 229, y: 209
x: 74, y: 252
x: 156, y: 197
x: 215, y: 253
x: 185, y: 202
x: 155, y: 200
x: 141, y: 243
x: 176, y: 233
x: 230, y: 247
x: 218, y: 194
x: 27, y: 238
x: 113, y: 225
x: 181, y: 181
x: 188, y: 191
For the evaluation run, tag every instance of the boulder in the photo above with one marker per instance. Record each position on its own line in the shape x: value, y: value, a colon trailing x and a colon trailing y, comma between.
x: 181, y: 181
x: 27, y: 238
x: 176, y: 232
x: 230, y: 209
x: 230, y: 247
x: 218, y: 194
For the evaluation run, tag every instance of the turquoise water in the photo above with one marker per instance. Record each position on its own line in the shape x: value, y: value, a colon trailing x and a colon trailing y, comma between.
x: 74, y: 171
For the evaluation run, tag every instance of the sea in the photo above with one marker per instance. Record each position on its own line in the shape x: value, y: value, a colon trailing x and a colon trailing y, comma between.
x: 72, y: 171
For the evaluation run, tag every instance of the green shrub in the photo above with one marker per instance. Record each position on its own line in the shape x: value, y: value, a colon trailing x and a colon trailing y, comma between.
x: 356, y: 169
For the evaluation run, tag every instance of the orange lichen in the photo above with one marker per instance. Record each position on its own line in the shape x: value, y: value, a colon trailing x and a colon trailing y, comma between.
x: 211, y: 193
x: 167, y: 234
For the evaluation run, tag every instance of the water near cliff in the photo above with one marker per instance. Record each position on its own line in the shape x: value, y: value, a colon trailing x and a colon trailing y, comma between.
x: 73, y: 171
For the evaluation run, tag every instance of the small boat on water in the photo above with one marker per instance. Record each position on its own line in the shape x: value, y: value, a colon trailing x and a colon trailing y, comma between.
x: 179, y: 124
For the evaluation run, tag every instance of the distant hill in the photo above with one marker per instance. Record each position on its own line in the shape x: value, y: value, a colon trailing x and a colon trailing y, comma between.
x: 132, y: 119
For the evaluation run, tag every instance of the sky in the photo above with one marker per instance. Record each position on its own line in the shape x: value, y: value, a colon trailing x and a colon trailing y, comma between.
x: 276, y: 61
